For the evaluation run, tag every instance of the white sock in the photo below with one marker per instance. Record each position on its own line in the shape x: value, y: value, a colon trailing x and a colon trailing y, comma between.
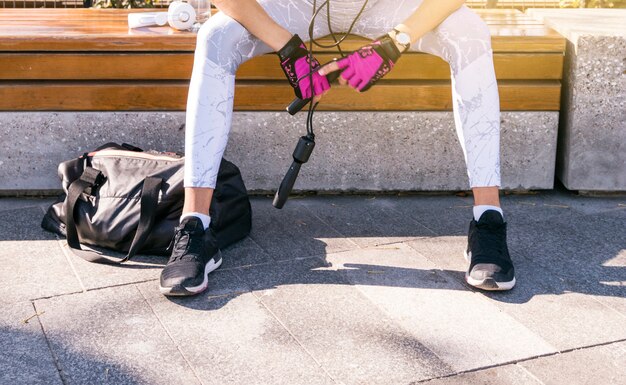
x: 480, y: 209
x: 206, y: 220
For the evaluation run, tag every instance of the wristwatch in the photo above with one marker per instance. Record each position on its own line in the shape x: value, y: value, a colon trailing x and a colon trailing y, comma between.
x: 401, y: 38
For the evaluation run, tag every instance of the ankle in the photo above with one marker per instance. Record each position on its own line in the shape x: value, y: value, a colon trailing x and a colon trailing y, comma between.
x: 206, y: 220
x: 480, y: 209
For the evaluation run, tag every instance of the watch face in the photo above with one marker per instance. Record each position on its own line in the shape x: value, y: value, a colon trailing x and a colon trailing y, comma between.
x: 403, y: 38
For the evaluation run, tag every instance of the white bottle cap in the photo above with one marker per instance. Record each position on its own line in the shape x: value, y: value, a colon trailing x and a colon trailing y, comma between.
x: 181, y: 15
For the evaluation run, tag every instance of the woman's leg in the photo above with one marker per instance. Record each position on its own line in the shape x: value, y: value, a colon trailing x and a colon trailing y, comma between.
x: 222, y: 46
x: 464, y: 41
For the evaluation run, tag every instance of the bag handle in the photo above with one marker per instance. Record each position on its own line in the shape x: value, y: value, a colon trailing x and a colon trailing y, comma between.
x: 93, y: 178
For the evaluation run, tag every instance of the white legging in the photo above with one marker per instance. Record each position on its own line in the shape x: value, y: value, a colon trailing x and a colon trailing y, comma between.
x: 463, y: 40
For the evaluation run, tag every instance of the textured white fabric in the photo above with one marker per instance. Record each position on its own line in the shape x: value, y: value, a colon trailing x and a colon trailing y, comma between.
x: 462, y: 39
x: 206, y: 220
x: 480, y: 210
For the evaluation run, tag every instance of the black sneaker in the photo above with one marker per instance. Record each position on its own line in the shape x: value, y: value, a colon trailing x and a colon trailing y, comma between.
x: 194, y: 255
x: 490, y: 267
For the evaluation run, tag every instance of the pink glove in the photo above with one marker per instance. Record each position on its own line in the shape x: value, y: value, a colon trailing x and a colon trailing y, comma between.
x: 294, y: 60
x: 363, y: 68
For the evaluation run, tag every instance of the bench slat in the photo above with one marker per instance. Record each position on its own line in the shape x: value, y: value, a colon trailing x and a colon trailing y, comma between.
x: 107, y: 30
x: 551, y: 42
x: 178, y: 66
x: 172, y: 95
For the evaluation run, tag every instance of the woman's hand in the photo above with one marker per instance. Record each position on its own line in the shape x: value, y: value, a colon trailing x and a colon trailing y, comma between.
x: 363, y: 68
x: 297, y: 63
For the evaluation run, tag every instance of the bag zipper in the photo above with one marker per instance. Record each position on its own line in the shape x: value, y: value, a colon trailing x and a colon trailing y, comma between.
x: 132, y: 154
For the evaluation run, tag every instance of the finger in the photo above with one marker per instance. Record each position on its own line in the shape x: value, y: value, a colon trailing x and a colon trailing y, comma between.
x: 319, y: 88
x: 343, y: 63
x: 348, y: 73
x: 305, y: 91
x: 355, y: 81
x: 364, y: 86
x: 342, y: 81
x: 328, y: 68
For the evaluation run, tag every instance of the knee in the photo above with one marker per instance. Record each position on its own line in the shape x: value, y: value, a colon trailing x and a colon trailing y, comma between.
x: 218, y: 40
x: 466, y: 36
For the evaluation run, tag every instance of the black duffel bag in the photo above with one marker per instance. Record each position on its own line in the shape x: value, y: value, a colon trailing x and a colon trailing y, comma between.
x: 128, y: 200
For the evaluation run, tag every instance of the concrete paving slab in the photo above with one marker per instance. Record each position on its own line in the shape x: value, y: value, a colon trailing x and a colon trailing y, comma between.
x: 25, y: 357
x: 525, y: 208
x: 234, y: 340
x: 437, y: 310
x: 503, y: 375
x: 543, y: 300
x: 367, y: 221
x: 96, y: 275
x: 111, y: 336
x: 585, y: 204
x: 442, y: 214
x: 293, y: 232
x: 350, y: 337
x: 585, y: 251
x: 244, y: 253
x: 602, y: 365
x: 33, y: 264
x: 18, y: 203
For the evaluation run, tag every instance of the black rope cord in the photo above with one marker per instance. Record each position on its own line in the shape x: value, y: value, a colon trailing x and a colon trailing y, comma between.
x: 337, y: 44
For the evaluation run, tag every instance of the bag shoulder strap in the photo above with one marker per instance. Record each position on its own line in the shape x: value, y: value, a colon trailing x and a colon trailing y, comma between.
x: 92, y: 178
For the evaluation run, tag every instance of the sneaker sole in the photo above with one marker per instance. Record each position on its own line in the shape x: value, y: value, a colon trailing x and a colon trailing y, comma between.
x: 182, y: 291
x: 489, y: 284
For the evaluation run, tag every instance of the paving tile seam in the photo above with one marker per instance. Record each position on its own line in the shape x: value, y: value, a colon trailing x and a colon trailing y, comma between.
x: 444, y: 272
x: 280, y: 322
x: 330, y: 226
x: 258, y: 297
x: 19, y: 208
x: 529, y: 373
x: 609, y: 307
x: 67, y: 257
x: 394, y: 322
x: 169, y: 335
x: 45, y: 336
x: 258, y: 245
x: 56, y: 295
x: 522, y: 360
x: 412, y: 218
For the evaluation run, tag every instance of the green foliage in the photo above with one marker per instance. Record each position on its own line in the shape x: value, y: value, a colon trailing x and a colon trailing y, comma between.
x: 123, y: 4
x: 593, y: 4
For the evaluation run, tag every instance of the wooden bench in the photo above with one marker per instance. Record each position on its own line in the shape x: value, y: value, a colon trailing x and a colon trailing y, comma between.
x: 88, y: 60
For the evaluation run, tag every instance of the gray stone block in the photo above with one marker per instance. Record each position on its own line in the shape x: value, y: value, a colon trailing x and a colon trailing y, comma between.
x: 356, y: 151
x: 592, y: 136
x: 112, y: 336
x: 353, y: 340
x: 235, y: 340
x: 25, y: 357
x: 29, y: 257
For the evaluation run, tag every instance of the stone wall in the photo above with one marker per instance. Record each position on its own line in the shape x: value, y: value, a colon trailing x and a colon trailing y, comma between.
x: 356, y: 151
